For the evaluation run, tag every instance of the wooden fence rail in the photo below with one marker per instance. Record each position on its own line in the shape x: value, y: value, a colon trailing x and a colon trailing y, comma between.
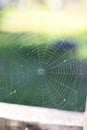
x: 43, y: 115
x: 85, y: 117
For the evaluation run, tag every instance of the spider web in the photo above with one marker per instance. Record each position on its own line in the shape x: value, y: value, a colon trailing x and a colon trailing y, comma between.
x: 39, y: 74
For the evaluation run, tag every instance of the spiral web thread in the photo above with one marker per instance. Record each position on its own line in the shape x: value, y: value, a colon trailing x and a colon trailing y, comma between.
x: 39, y: 74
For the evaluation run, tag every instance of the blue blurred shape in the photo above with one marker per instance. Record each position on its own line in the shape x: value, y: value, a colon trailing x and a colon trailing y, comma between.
x: 4, y: 3
x: 65, y: 45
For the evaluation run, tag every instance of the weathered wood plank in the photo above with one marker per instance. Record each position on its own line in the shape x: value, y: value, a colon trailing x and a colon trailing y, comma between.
x: 41, y: 115
x: 85, y: 117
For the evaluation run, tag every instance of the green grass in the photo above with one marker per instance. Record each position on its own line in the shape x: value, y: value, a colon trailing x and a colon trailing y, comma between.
x: 50, y: 25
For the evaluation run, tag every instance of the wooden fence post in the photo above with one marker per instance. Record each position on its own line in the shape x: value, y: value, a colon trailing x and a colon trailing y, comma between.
x: 41, y: 115
x: 85, y: 121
